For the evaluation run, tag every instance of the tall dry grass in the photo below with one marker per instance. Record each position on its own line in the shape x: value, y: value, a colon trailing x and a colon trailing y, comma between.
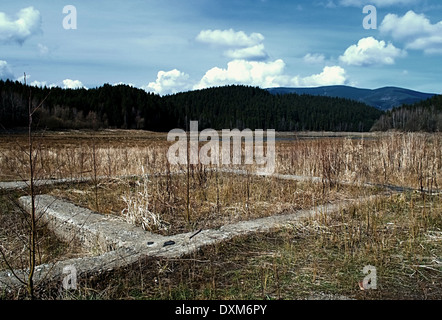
x: 84, y: 161
x: 405, y: 159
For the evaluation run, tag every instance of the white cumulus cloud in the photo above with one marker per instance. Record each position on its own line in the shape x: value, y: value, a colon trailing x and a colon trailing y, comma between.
x: 72, y: 84
x: 169, y: 82
x: 330, y: 75
x: 42, y: 84
x: 230, y: 38
x: 239, y: 45
x: 268, y: 74
x: 315, y: 58
x: 415, y: 30
x: 255, y: 73
x: 369, y: 51
x: 5, y: 71
x: 26, y: 24
x: 251, y: 53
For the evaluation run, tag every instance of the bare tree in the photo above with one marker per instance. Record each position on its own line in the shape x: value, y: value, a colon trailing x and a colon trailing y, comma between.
x: 32, y: 156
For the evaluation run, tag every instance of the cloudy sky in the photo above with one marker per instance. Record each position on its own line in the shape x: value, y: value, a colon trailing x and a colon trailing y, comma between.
x: 169, y: 46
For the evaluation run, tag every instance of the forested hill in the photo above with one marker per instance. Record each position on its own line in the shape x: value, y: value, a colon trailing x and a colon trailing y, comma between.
x: 217, y: 108
x: 121, y: 107
x: 421, y: 116
x: 249, y: 107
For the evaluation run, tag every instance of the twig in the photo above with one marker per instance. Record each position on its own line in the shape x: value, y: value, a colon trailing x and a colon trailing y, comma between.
x: 195, y: 234
x: 427, y: 267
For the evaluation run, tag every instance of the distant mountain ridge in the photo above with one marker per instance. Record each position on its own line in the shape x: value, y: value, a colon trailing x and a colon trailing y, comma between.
x: 385, y: 98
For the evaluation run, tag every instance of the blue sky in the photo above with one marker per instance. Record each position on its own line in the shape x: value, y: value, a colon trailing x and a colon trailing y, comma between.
x: 175, y: 45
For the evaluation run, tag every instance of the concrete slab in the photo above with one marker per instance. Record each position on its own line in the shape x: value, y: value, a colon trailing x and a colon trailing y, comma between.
x: 116, y: 243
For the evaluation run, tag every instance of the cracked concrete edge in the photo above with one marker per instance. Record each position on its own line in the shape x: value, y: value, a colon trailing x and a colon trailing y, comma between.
x: 184, y: 245
x: 129, y: 252
x: 291, y: 177
x: 85, y: 267
x: 92, y: 230
x: 20, y: 185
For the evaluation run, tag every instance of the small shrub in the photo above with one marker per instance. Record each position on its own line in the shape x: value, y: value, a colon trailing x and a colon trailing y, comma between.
x: 137, y: 207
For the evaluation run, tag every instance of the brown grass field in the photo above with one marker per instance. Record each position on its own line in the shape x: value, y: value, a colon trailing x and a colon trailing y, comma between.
x: 399, y: 232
